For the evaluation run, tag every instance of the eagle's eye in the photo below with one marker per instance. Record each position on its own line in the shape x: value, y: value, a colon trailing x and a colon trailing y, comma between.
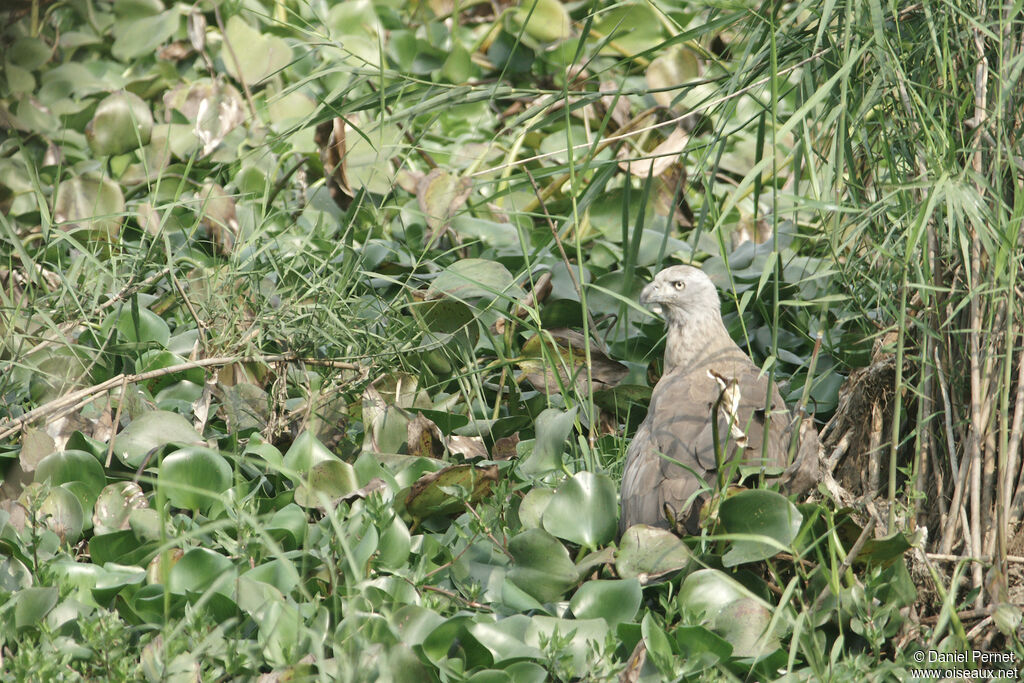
x: 679, y: 284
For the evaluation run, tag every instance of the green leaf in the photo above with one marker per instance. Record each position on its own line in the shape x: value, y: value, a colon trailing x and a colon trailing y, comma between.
x: 531, y: 509
x: 583, y: 510
x: 194, y: 477
x: 152, y: 430
x: 614, y: 601
x: 474, y: 278
x: 328, y: 479
x: 148, y: 328
x: 552, y: 429
x: 93, y: 203
x: 648, y: 553
x: 74, y: 466
x: 543, y: 568
x: 198, y: 570
x: 258, y: 55
x: 306, y: 451
x: 122, y: 123
x: 758, y: 512
x: 32, y: 604
x: 114, y: 505
x: 706, y: 592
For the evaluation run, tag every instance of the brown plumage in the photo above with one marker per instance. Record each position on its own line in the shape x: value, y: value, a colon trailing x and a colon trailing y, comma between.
x: 701, y: 362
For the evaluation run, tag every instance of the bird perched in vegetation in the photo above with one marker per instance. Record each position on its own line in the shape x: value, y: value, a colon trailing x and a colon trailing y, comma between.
x: 705, y: 374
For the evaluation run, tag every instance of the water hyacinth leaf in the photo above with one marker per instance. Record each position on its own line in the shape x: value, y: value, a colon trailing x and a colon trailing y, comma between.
x: 542, y: 568
x: 614, y: 601
x: 114, y: 579
x: 552, y: 428
x: 505, y: 639
x: 140, y: 35
x: 74, y: 466
x: 194, y: 477
x: 93, y: 203
x: 758, y: 512
x: 669, y: 72
x: 474, y: 278
x: 122, y: 123
x: 634, y: 26
x: 258, y: 55
x: 706, y: 592
x: 197, y: 570
x: 531, y: 509
x: 62, y: 512
x: 584, y: 510
x: 743, y: 623
x: 14, y: 575
x: 440, y: 195
x: 648, y: 553
x: 32, y: 604
x: 544, y: 20
x: 306, y: 452
x: 447, y: 491
x: 146, y: 328
x: 152, y: 430
x: 695, y: 642
x: 159, y: 359
x: 328, y: 480
x: 114, y: 505
x: 121, y: 547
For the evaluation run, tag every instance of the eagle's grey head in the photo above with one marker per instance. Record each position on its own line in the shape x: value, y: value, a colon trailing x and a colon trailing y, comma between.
x: 682, y: 294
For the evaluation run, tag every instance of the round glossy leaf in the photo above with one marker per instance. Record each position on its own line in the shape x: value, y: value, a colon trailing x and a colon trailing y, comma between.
x: 32, y: 604
x: 63, y: 513
x: 259, y: 55
x: 613, y: 601
x: 74, y: 466
x: 543, y: 568
x: 327, y: 479
x: 531, y: 509
x: 647, y: 553
x: 584, y: 510
x: 552, y: 427
x: 159, y: 359
x: 197, y: 570
x: 95, y: 203
x: 194, y: 477
x: 743, y: 623
x: 151, y: 430
x: 758, y: 512
x: 706, y: 592
x: 149, y: 328
x: 14, y: 575
x: 114, y: 579
x: 544, y: 20
x: 305, y: 452
x: 475, y: 278
x: 394, y: 545
x: 113, y: 505
x: 122, y: 122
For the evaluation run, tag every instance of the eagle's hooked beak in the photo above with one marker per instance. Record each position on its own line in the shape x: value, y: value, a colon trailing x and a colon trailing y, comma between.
x: 649, y: 296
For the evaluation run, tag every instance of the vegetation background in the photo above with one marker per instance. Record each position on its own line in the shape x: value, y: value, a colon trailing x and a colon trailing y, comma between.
x: 320, y: 351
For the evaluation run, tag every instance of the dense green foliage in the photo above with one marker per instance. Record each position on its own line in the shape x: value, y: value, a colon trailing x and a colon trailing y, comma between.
x: 319, y: 350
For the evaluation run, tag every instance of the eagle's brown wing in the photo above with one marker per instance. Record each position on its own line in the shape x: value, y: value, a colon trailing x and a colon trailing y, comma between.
x: 679, y: 426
